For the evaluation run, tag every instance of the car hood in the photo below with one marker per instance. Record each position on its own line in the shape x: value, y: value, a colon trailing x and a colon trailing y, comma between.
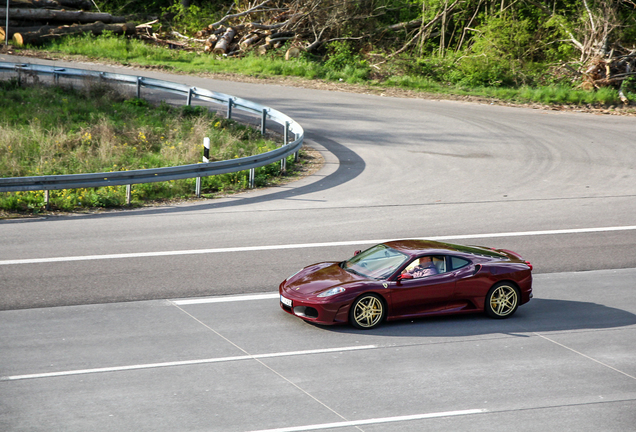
x: 319, y: 277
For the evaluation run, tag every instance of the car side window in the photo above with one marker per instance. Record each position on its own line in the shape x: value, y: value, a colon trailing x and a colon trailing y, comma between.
x: 457, y: 263
x: 426, y: 266
x: 440, y: 263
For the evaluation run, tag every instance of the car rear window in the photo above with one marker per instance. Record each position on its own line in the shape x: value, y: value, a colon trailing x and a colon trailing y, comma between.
x: 457, y: 262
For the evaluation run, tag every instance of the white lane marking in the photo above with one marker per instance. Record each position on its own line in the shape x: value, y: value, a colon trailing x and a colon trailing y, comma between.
x: 586, y: 356
x: 375, y: 421
x: 226, y: 299
x: 185, y: 363
x: 307, y: 245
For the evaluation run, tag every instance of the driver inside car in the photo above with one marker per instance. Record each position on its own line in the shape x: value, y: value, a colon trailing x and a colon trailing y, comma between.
x: 424, y: 268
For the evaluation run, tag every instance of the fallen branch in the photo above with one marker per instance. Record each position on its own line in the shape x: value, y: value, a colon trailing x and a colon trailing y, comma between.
x: 177, y: 34
x: 426, y: 27
x: 247, y: 12
x: 147, y: 25
x: 251, y: 39
x: 275, y: 37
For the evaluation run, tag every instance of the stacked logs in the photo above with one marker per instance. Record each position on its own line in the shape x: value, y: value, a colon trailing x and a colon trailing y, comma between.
x: 34, y: 22
x: 240, y: 38
x: 610, y: 72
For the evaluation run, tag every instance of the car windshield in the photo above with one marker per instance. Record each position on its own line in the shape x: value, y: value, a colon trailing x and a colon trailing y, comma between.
x: 378, y: 262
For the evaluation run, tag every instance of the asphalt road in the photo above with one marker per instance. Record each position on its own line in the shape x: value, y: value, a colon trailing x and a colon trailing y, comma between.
x: 88, y: 292
x: 565, y: 361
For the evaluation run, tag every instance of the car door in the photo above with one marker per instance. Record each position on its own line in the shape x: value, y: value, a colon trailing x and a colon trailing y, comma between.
x: 422, y: 295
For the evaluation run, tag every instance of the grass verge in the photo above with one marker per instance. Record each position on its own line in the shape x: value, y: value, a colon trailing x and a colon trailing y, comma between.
x: 352, y: 71
x: 63, y: 130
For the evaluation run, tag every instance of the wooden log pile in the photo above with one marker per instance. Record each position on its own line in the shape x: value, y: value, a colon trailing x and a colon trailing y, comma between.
x: 262, y: 27
x: 612, y: 71
x: 296, y: 24
x: 34, y: 22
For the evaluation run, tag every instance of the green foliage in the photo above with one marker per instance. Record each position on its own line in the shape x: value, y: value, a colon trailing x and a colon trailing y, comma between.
x: 118, y: 7
x: 504, y: 38
x: 479, y: 44
x: 195, y: 17
x: 340, y: 55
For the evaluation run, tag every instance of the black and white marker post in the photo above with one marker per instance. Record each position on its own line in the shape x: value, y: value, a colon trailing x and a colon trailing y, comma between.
x: 206, y: 159
x: 283, y: 161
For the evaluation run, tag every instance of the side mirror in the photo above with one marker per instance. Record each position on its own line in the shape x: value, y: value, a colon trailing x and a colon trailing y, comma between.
x: 404, y: 276
x: 356, y: 252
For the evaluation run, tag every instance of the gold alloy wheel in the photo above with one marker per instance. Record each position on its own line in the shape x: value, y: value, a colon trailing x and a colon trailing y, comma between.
x: 503, y: 300
x: 368, y: 311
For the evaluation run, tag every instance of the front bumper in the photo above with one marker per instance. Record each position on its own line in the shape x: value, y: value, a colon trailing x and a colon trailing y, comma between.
x: 319, y: 311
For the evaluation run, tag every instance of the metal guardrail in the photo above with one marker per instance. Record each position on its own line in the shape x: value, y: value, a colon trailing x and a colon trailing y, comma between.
x: 117, y: 178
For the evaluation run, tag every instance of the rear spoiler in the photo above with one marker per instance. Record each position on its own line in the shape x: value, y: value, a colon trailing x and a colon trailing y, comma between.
x: 516, y: 255
x: 509, y: 252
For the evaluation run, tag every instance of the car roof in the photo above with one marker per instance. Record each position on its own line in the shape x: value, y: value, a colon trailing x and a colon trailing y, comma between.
x: 417, y: 247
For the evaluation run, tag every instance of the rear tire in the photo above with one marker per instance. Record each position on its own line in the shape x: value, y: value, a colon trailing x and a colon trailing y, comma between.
x: 502, y: 300
x: 367, y: 312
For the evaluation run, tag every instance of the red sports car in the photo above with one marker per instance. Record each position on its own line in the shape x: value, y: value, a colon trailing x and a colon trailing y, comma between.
x: 408, y: 279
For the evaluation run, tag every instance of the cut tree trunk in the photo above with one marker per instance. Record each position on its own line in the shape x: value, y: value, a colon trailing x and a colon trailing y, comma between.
x: 34, y: 4
x: 210, y: 43
x: 293, y: 52
x: 60, y: 15
x: 46, y: 33
x: 14, y: 30
x: 77, y: 4
x: 223, y: 44
x: 275, y: 37
x: 251, y: 40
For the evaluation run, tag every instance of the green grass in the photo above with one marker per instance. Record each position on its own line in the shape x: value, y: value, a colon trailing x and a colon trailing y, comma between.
x: 353, y: 70
x: 61, y: 130
x: 132, y: 51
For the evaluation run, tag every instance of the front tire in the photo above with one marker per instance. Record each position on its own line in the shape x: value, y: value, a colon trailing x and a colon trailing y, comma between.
x: 502, y: 300
x: 367, y: 312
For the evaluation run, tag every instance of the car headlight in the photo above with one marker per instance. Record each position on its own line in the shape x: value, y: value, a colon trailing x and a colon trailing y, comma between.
x: 332, y: 291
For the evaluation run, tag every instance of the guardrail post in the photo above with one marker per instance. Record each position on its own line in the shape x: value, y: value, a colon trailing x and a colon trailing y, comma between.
x: 230, y: 102
x: 56, y: 75
x: 263, y: 121
x: 19, y: 68
x: 286, y: 133
x: 283, y: 161
x: 189, y: 100
x: 128, y: 193
x: 252, y: 177
x: 139, y: 80
x: 46, y: 200
x: 296, y: 154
